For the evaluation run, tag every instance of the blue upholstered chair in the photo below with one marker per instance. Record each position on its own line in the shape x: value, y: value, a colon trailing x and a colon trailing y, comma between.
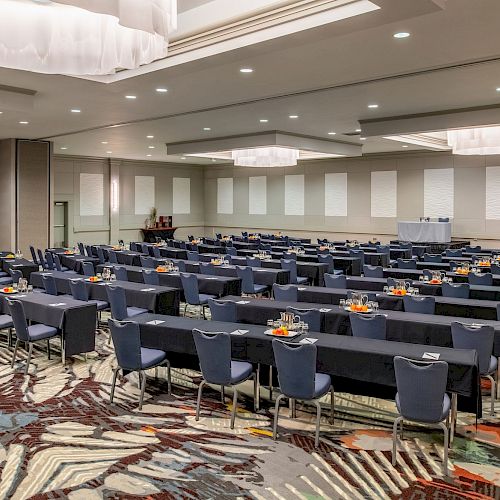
x: 433, y: 257
x: 373, y: 271
x: 49, y: 283
x: 148, y: 262
x: 207, y: 268
x: 156, y: 252
x: 372, y: 296
x: 386, y: 249
x: 422, y: 398
x: 335, y: 281
x: 428, y: 273
x: 50, y: 261
x: 453, y: 253
x: 253, y: 262
x: 407, y: 264
x: 358, y: 254
x: 88, y: 268
x: 81, y: 248
x: 406, y: 244
x: 368, y: 326
x: 89, y: 251
x: 495, y: 269
x: 16, y: 275
x: 41, y: 259
x: 132, y: 357
x: 100, y: 255
x: 181, y: 265
x: 456, y: 290
x: 248, y: 286
x: 472, y: 249
x: 231, y: 251
x: 422, y: 305
x: 393, y: 281
x: 144, y: 248
x: 113, y: 259
x: 79, y: 291
x: 285, y: 293
x: 193, y: 256
x: 118, y: 303
x: 484, y: 279
x: 222, y: 310
x: 289, y: 255
x: 192, y: 294
x: 298, y: 379
x: 150, y: 277
x: 328, y: 259
x: 310, y: 316
x: 121, y: 273
x: 480, y: 339
x: 217, y: 367
x: 59, y: 266
x: 33, y: 255
x: 29, y: 334
x: 453, y: 266
x: 291, y: 266
x: 443, y: 219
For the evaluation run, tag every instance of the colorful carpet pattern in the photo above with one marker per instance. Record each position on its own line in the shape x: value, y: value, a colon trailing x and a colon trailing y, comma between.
x: 61, y: 438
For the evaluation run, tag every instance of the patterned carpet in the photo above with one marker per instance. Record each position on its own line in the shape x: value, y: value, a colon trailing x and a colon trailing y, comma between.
x: 62, y: 439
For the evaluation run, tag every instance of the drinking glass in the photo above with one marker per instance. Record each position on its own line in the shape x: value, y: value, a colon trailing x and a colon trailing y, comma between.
x: 342, y: 303
x: 113, y: 277
x: 99, y: 275
x: 270, y: 322
x: 375, y: 306
x: 386, y: 289
x: 30, y: 288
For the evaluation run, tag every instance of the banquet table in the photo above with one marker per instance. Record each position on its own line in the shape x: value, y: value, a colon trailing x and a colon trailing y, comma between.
x: 357, y: 365
x: 426, y: 329
x: 371, y: 258
x: 74, y: 262
x: 173, y: 253
x: 76, y: 319
x: 424, y: 232
x: 25, y: 266
x: 157, y: 299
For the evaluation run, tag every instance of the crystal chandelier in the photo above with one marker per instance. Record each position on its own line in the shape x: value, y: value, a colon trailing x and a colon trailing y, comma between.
x: 475, y: 141
x: 84, y: 37
x: 265, y: 157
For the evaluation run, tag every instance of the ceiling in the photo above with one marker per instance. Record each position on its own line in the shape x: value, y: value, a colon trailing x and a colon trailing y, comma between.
x: 326, y: 75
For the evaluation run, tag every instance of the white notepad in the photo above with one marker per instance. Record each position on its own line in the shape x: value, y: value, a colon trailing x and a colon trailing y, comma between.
x: 148, y: 289
x: 308, y: 340
x: 323, y: 310
x: 239, y: 332
x: 155, y: 322
x: 243, y: 302
x: 431, y: 355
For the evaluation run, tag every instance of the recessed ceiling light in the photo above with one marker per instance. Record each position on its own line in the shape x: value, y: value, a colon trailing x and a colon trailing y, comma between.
x: 358, y: 130
x: 293, y: 117
x: 1, y: 112
x: 150, y: 136
x: 109, y: 152
x: 130, y: 97
x: 76, y: 110
x: 104, y: 142
x: 263, y: 120
x: 64, y: 147
x: 246, y: 70
x: 401, y: 34
x: 405, y: 146
x: 373, y: 106
x: 24, y: 123
x: 214, y: 160
x: 149, y: 155
x: 207, y: 129
x: 498, y: 89
x: 332, y: 133
x: 183, y: 157
x: 161, y: 90
x: 151, y: 147
x: 362, y: 138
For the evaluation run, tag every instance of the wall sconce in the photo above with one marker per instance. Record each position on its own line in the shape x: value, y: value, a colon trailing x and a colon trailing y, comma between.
x: 114, y: 196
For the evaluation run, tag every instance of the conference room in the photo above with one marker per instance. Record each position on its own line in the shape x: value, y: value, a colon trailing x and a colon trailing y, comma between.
x: 249, y: 249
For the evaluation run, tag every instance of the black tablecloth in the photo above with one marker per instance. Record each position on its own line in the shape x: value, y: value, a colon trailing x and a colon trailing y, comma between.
x: 25, y: 266
x: 77, y: 320
x: 204, y: 248
x: 347, y: 359
x: 371, y: 258
x: 74, y: 262
x: 174, y: 253
x: 157, y: 299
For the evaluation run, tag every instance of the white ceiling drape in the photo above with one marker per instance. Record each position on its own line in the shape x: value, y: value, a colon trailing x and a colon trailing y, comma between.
x: 84, y: 37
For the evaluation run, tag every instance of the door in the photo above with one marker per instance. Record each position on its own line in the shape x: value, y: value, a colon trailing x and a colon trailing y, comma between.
x: 60, y: 224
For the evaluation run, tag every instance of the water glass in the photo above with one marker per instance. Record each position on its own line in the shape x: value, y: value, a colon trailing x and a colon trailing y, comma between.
x: 113, y: 277
x: 270, y: 323
x: 375, y: 306
x: 30, y: 288
x: 342, y: 303
x: 386, y: 289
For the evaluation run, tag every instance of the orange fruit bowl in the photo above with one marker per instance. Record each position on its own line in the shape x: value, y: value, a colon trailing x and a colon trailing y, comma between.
x: 94, y: 279
x: 161, y: 269
x: 8, y: 289
x: 281, y: 332
x: 435, y: 282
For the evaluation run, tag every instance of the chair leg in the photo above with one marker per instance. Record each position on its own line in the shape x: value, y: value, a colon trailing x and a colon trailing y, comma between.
x: 318, y: 422
x: 203, y: 312
x: 169, y: 377
x: 222, y: 394
x: 445, y: 454
x: 271, y: 383
x: 14, y: 354
x: 293, y: 410
x: 276, y: 415
x: 156, y: 373
x: 143, y: 388
x: 113, y: 385
x: 235, y: 407
x: 63, y: 349
x: 198, y: 400
x: 185, y: 308
x: 332, y: 405
x: 498, y: 378
x: 48, y: 348
x: 10, y: 337
x: 29, y: 358
x: 256, y: 389
x: 395, y: 439
x: 493, y: 392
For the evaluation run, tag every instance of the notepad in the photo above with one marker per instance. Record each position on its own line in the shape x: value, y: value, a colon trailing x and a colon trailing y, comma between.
x: 243, y: 302
x: 148, y: 289
x: 155, y: 322
x: 308, y: 340
x: 431, y: 355
x: 57, y: 304
x: 323, y: 310
x: 301, y: 289
x: 239, y: 332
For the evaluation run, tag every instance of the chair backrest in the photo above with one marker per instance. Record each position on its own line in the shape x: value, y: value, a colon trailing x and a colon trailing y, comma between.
x: 79, y: 290
x: 222, y: 310
x: 218, y: 236
x: 485, y: 279
x: 266, y: 246
x: 127, y: 343
x: 33, y: 255
x: 117, y: 301
x: 433, y: 257
x: 407, y: 264
x: 120, y: 273
x: 373, y: 271
x: 368, y: 326
x: 296, y: 365
x: 156, y: 252
x: 181, y: 265
x: 453, y: 266
x: 81, y: 248
x: 49, y: 283
x: 15, y: 274
x: 16, y: 311
x: 232, y: 251
x: 90, y: 253
x: 113, y: 259
x: 244, y: 233
x: 443, y: 219
x: 193, y: 256
x: 148, y: 262
x: 479, y: 338
x: 245, y: 273
x: 100, y: 255
x: 372, y: 296
x: 57, y: 262
x: 495, y: 269
x: 214, y: 353
x: 422, y: 305
x: 393, y: 281
x: 456, y: 290
x: 310, y: 316
x: 134, y: 247
x: 428, y: 273
x: 289, y: 255
x: 358, y: 254
x: 150, y: 277
x: 286, y: 293
x: 453, y: 253
x: 88, y: 268
x: 291, y: 266
x: 335, y: 281
x: 253, y: 262
x: 405, y: 244
x: 383, y: 249
x: 50, y: 261
x: 327, y: 259
x: 207, y: 268
x: 41, y: 259
x: 471, y: 249
x: 190, y: 286
x: 421, y: 388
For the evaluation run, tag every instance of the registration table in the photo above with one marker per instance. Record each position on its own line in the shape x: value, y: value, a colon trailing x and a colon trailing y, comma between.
x: 76, y: 319
x: 157, y: 299
x: 357, y: 365
x: 424, y: 232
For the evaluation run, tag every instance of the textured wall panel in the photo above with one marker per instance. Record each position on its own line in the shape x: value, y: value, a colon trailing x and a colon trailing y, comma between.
x: 181, y: 197
x: 91, y: 194
x: 257, y: 195
x: 225, y: 195
x: 336, y: 195
x: 438, y: 192
x: 493, y: 192
x: 144, y: 194
x: 294, y: 195
x: 384, y: 193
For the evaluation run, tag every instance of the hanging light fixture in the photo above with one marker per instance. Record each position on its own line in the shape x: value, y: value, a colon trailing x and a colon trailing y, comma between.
x: 84, y: 37
x: 475, y: 141
x: 265, y: 157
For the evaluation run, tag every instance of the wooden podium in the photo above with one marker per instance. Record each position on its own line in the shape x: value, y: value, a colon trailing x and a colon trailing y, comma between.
x: 165, y: 233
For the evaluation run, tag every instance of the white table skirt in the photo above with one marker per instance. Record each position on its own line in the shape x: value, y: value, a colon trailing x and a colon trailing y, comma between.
x: 423, y: 232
